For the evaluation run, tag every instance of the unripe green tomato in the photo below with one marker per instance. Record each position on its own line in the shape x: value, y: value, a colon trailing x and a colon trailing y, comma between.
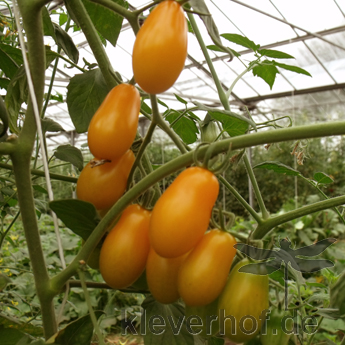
x: 209, y: 132
x: 243, y: 304
x: 274, y: 334
x: 209, y: 318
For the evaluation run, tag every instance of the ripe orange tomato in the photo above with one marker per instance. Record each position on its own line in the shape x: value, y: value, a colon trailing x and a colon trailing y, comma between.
x: 243, y: 301
x: 203, y: 274
x: 160, y: 48
x: 181, y: 215
x: 125, y: 249
x: 104, y: 184
x: 161, y: 274
x: 113, y: 127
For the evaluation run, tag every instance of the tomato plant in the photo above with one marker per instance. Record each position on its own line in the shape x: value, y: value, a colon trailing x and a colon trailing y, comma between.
x: 113, y: 127
x: 244, y: 298
x: 96, y: 184
x: 125, y: 249
x: 181, y: 215
x: 160, y: 48
x: 161, y: 276
x: 203, y: 274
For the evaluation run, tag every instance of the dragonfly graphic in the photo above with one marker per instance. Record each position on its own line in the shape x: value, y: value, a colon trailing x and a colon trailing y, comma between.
x: 287, y: 255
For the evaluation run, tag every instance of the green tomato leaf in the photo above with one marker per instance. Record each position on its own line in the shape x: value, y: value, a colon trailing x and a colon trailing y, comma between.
x: 242, y: 41
x: 17, y: 93
x: 71, y: 154
x: 14, y: 53
x: 4, y: 280
x: 12, y: 323
x: 7, y: 64
x: 278, y: 167
x: 292, y: 68
x: 85, y: 93
x: 175, y: 331
x: 11, y: 336
x: 4, y: 117
x: 63, y: 17
x: 275, y: 54
x: 267, y: 72
x: 48, y: 27
x: 338, y: 296
x: 215, y: 341
x: 79, y: 216
x: 4, y: 82
x: 200, y: 6
x: 78, y: 332
x: 322, y: 178
x: 106, y: 21
x: 65, y: 42
x: 39, y: 188
x: 49, y: 125
x: 329, y: 313
x: 180, y: 99
x: 232, y: 126
x: 184, y: 127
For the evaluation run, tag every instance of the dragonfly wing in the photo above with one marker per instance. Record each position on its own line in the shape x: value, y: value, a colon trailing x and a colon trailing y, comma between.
x: 309, y: 266
x: 314, y: 249
x: 255, y: 253
x: 262, y: 268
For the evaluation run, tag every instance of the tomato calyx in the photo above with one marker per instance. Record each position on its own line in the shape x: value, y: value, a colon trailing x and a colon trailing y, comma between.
x: 97, y: 162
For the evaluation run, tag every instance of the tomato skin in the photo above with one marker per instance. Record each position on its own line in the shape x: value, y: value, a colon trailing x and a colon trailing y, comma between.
x: 160, y: 48
x: 113, y: 127
x: 104, y: 184
x: 161, y: 274
x: 182, y: 214
x: 203, y: 274
x: 275, y: 323
x: 125, y: 249
x: 244, y: 294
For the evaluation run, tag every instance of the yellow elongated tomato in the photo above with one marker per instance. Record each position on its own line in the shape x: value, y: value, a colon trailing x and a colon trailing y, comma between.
x: 160, y: 48
x: 103, y: 185
x: 113, y: 127
x: 203, y: 274
x: 243, y: 303
x: 181, y: 215
x: 161, y: 274
x: 125, y: 249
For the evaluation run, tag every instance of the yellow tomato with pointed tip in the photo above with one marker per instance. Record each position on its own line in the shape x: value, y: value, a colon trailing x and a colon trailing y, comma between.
x: 126, y: 248
x: 182, y: 213
x: 113, y: 127
x: 204, y: 272
x: 160, y: 48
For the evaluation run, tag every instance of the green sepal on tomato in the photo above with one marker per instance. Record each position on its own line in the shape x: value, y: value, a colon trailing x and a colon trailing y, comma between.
x: 104, y: 184
x: 204, y: 272
x: 126, y: 248
x: 113, y: 127
x: 182, y: 213
x: 244, y: 302
x: 160, y: 48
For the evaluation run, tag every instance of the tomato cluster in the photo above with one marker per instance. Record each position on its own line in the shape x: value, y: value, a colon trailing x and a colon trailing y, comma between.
x: 181, y: 257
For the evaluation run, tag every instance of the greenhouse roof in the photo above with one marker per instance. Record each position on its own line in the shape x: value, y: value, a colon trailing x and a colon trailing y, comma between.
x: 312, y: 31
